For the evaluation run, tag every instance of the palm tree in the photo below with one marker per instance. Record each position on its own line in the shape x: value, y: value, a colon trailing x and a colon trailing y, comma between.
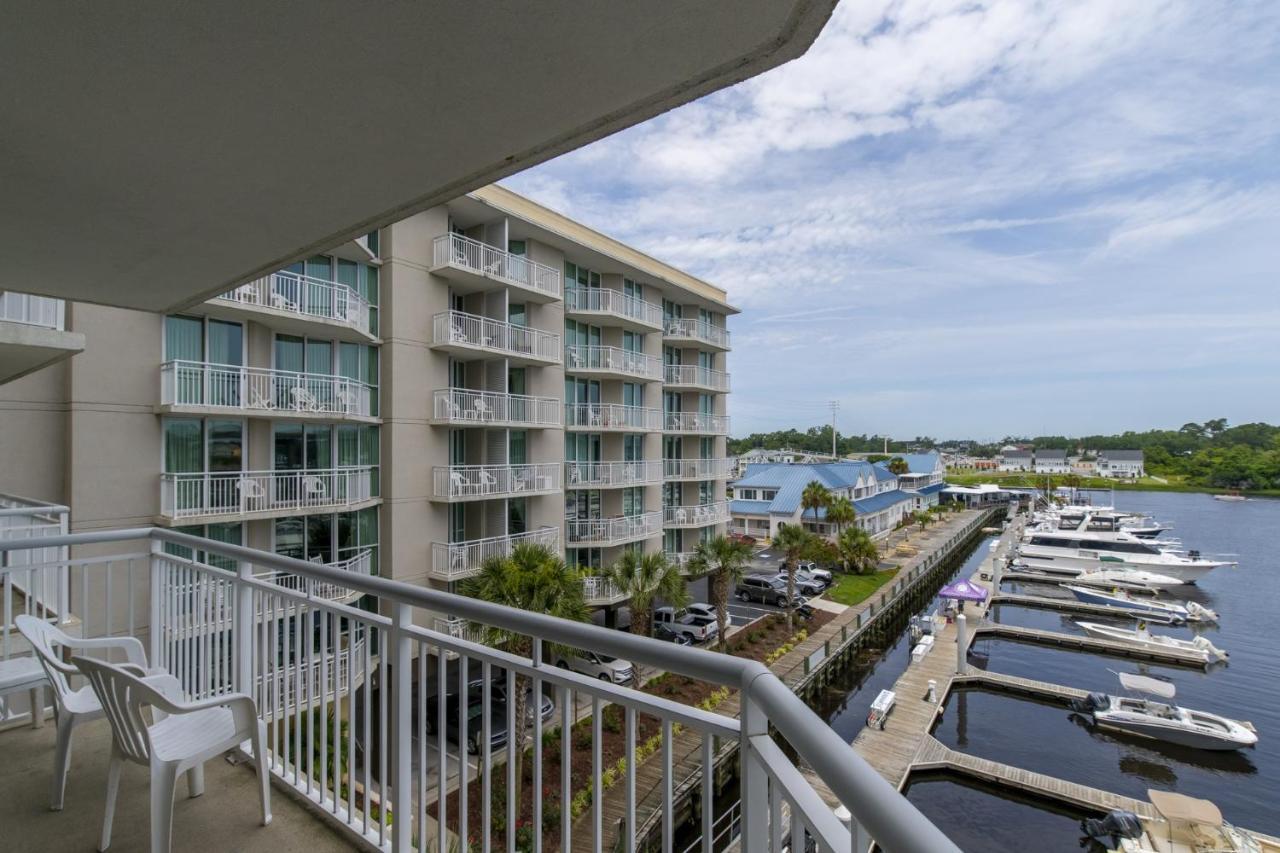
x: 643, y: 578
x: 535, y: 579
x: 922, y: 519
x: 857, y: 550
x: 815, y: 497
x: 898, y: 466
x: 724, y: 561
x: 841, y: 512
x: 794, y: 542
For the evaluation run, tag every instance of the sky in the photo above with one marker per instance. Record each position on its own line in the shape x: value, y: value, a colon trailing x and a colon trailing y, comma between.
x: 977, y: 219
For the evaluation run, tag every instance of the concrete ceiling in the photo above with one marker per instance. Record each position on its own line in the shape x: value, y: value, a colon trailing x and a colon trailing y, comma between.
x: 158, y: 153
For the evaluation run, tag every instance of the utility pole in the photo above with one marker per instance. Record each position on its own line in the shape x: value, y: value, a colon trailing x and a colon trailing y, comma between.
x: 835, y: 407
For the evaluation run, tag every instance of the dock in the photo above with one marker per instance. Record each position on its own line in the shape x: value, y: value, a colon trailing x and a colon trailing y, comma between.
x: 1067, y: 605
x: 1097, y: 645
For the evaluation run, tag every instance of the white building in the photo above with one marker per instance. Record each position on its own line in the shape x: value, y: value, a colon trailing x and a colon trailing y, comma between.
x: 1052, y: 462
x: 768, y: 497
x: 924, y: 478
x: 1121, y: 464
x: 1016, y: 460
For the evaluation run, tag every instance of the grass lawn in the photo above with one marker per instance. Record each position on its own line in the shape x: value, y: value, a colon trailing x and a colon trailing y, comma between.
x: 851, y: 589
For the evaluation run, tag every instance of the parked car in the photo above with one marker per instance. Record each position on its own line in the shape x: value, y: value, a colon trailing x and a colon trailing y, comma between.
x: 812, y: 569
x: 662, y: 632
x: 697, y: 628
x: 475, y: 714
x: 766, y: 589
x: 701, y: 608
x: 805, y: 584
x: 603, y: 667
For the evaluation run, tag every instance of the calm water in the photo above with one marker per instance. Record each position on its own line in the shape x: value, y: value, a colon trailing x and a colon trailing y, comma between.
x: 1246, y: 784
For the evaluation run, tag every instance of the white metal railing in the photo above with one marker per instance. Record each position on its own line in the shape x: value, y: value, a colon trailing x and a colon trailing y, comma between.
x: 695, y: 515
x: 696, y: 330
x: 680, y: 558
x: 451, y: 561
x: 240, y: 492
x: 697, y: 469
x: 602, y: 300
x: 455, y: 250
x: 474, y: 482
x: 613, y: 531
x: 360, y: 564
x: 584, y: 357
x: 611, y: 416
x: 600, y: 590
x: 33, y: 310
x: 464, y: 406
x: 604, y: 475
x: 256, y: 389
x: 695, y: 422
x: 692, y: 374
x: 387, y: 683
x: 304, y: 296
x: 456, y: 328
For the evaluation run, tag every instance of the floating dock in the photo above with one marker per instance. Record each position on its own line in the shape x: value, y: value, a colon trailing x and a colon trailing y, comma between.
x: 1067, y: 605
x: 1097, y: 645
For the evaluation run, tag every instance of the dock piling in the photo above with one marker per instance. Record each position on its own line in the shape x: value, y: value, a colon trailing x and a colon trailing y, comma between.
x: 962, y: 644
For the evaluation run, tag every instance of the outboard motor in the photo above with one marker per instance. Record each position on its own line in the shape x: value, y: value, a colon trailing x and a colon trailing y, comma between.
x: 1199, y: 611
x: 1203, y: 642
x: 1092, y: 702
x: 1109, y: 830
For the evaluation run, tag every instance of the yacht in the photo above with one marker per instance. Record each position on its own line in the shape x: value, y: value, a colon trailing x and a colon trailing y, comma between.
x: 1143, y: 638
x: 1152, y: 609
x: 1102, y: 518
x: 1077, y: 551
x: 1183, y: 825
x: 1163, y: 721
x: 1137, y: 580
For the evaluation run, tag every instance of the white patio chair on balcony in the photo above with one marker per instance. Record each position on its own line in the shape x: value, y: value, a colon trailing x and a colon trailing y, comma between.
x: 251, y: 492
x: 259, y: 400
x: 245, y: 293
x: 482, y: 410
x: 595, y: 417
x: 303, y: 400
x: 24, y: 674
x: 346, y: 400
x: 488, y: 482
x: 283, y: 303
x: 76, y: 706
x: 681, y: 516
x: 458, y: 483
x: 457, y: 334
x: 313, y: 488
x: 184, y: 736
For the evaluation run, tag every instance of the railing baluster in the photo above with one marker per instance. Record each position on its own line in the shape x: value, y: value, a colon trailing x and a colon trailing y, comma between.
x: 630, y: 829
x: 442, y: 748
x: 422, y: 747
x: 708, y: 792
x: 513, y: 790
x: 668, y: 818
x: 464, y: 703
x: 486, y: 750
x: 566, y: 767
x: 597, y: 772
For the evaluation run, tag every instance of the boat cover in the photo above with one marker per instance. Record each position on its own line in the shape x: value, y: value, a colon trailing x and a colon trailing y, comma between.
x: 1146, y: 684
x: 1181, y: 807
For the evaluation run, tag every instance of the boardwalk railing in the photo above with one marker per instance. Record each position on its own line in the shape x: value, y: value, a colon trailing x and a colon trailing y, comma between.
x: 219, y: 627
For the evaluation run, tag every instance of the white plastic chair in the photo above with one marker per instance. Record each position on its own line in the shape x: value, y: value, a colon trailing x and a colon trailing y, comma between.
x: 303, y: 400
x: 482, y: 409
x: 184, y: 736
x: 24, y: 674
x: 282, y: 302
x: 251, y: 491
x: 74, y: 706
x: 313, y: 487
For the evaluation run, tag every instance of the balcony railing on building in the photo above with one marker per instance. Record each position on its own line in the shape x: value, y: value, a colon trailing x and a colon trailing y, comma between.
x: 306, y: 661
x: 459, y: 332
x: 608, y: 475
x: 598, y: 591
x: 482, y: 482
x: 696, y: 515
x: 463, y: 407
x: 694, y: 376
x: 612, y: 417
x: 485, y: 262
x: 590, y: 358
x: 612, y: 303
x: 603, y: 532
x: 359, y: 564
x: 451, y: 561
x: 698, y: 331
x: 233, y: 493
x: 33, y: 310
x: 697, y: 423
x: 305, y: 297
x: 696, y: 469
x: 261, y: 391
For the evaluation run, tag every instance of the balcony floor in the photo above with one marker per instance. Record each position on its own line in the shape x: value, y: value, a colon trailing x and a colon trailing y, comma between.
x: 225, y: 818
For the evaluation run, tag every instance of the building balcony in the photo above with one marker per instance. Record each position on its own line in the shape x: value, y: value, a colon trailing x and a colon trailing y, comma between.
x: 464, y: 407
x: 613, y: 308
x: 696, y: 332
x: 470, y: 336
x: 454, y: 561
x: 471, y: 266
x: 264, y: 494
x: 604, y: 532
x: 360, y: 564
x: 699, y: 515
x: 695, y: 423
x: 198, y: 387
x: 600, y: 591
x: 612, y: 475
x: 680, y: 560
x: 591, y: 360
x: 292, y: 298
x: 611, y: 417
x: 693, y: 376
x: 33, y: 334
x: 697, y: 469
x: 486, y: 482
x: 31, y: 310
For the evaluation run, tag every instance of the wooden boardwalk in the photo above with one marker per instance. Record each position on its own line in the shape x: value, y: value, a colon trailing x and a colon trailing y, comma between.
x: 1077, y: 642
x: 1059, y: 693
x: 1066, y: 604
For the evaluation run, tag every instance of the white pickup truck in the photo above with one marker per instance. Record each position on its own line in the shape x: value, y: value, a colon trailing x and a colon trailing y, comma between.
x: 696, y: 627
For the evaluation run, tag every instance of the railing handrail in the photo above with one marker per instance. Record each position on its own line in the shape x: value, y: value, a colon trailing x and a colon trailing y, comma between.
x: 892, y: 821
x: 581, y: 299
x: 689, y: 327
x: 538, y: 276
x: 337, y: 469
x: 264, y: 371
x: 605, y: 357
x: 260, y: 292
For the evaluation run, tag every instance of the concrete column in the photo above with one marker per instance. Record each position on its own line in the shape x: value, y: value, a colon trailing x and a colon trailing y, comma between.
x: 962, y: 644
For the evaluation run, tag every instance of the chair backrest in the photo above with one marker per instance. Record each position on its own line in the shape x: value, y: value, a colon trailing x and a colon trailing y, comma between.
x: 45, y: 640
x: 123, y: 696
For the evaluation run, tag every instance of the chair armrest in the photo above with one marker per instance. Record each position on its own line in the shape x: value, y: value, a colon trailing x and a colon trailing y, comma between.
x: 243, y: 708
x: 132, y: 647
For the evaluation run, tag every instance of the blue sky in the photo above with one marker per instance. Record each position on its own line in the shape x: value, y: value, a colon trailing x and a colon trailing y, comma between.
x: 975, y: 219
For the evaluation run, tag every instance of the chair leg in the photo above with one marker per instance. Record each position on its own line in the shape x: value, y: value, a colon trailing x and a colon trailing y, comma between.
x: 37, y: 707
x: 163, y: 780
x: 113, y: 786
x: 195, y: 780
x: 264, y: 781
x: 62, y: 759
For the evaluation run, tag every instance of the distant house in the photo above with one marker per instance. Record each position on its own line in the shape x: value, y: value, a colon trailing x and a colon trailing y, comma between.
x: 1016, y: 460
x: 1051, y: 462
x: 767, y: 497
x: 1084, y: 466
x: 1121, y: 464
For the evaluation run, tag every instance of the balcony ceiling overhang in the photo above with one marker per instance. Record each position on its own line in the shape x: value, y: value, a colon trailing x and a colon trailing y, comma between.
x: 160, y: 153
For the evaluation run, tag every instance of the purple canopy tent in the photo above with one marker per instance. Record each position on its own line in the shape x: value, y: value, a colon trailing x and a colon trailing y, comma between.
x: 964, y: 591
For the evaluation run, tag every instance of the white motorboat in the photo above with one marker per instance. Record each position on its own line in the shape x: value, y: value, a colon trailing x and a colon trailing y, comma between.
x: 1152, y: 609
x: 1185, y: 825
x: 1133, y: 579
x: 1147, y: 640
x: 1074, y: 552
x: 1163, y: 721
x: 1230, y: 496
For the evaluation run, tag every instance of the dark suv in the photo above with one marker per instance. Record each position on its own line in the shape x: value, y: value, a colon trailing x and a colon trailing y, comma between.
x: 764, y: 589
